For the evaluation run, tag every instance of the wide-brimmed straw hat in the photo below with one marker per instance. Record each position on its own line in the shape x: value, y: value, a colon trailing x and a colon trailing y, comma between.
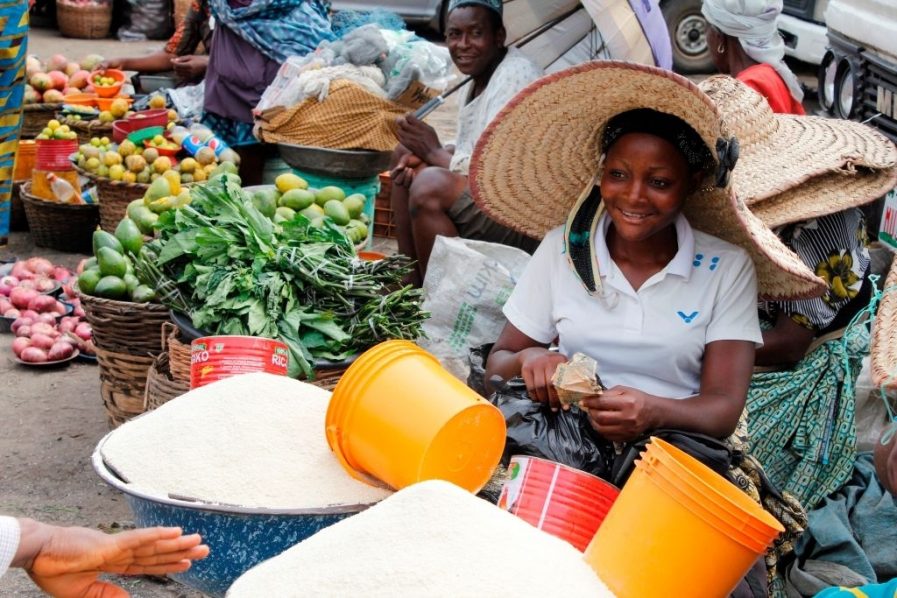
x: 540, y: 154
x: 794, y: 168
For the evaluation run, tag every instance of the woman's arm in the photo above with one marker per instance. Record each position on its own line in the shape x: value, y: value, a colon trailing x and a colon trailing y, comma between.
x: 784, y: 344
x: 622, y: 414
x: 516, y: 354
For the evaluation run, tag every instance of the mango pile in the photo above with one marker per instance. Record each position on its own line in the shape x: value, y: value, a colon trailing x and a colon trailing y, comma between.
x: 291, y: 195
x: 110, y: 272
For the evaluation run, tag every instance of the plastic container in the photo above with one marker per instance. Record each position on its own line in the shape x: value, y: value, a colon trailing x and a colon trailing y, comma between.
x: 106, y: 103
x: 679, y: 529
x: 149, y: 118
x: 562, y: 501
x: 397, y: 417
x: 214, y: 358
x: 26, y: 156
x: 138, y: 136
x: 112, y: 90
x: 55, y: 154
x: 81, y: 99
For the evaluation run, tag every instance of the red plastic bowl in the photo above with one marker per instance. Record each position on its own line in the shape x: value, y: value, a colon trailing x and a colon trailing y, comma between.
x: 149, y: 118
x: 112, y: 90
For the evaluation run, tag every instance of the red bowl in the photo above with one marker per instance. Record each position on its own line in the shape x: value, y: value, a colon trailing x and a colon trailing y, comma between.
x: 112, y: 90
x: 149, y: 118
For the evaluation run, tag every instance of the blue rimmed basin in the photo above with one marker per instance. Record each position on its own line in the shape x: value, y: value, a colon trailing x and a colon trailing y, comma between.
x: 238, y: 537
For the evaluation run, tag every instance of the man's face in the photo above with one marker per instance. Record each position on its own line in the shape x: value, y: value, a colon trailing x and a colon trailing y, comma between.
x: 472, y: 42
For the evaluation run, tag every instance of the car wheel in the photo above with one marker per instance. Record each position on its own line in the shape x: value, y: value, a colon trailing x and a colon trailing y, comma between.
x: 688, y: 34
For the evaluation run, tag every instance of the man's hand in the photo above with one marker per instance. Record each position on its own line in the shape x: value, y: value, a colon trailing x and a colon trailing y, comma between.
x: 407, y: 165
x: 419, y: 137
x: 621, y: 413
x: 190, y: 68
x: 69, y: 560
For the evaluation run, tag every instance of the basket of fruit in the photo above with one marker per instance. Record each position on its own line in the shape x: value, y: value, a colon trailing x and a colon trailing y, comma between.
x: 35, y: 118
x: 84, y: 19
x: 46, y: 87
x: 87, y: 122
x: 64, y: 227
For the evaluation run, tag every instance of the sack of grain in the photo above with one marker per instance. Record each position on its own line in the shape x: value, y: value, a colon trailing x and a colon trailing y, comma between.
x: 430, y: 539
x: 255, y: 440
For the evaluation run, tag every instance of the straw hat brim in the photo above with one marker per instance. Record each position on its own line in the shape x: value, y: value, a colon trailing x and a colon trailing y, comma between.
x: 884, y: 335
x: 780, y: 151
x: 538, y: 155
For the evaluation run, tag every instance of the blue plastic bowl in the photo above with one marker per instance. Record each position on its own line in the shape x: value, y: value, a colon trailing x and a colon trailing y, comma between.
x: 238, y: 537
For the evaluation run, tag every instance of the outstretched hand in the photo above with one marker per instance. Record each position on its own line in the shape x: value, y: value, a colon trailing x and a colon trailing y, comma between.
x: 70, y: 559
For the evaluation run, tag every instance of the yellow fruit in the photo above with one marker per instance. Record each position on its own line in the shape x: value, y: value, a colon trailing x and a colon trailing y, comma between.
x: 116, y: 172
x: 150, y: 154
x: 143, y: 176
x: 93, y: 164
x: 127, y: 148
x: 172, y: 115
x: 157, y: 101
x: 112, y: 158
x: 129, y: 177
x: 205, y: 156
x: 106, y: 117
x: 105, y: 141
x: 161, y: 164
x: 53, y: 125
x: 188, y: 165
x: 288, y: 180
x: 200, y: 175
x: 174, y: 180
x: 135, y: 163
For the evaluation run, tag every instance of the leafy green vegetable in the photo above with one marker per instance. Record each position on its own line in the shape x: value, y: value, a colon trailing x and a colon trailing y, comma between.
x: 234, y: 271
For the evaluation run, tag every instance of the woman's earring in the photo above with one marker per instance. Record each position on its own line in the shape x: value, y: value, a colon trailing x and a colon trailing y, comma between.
x: 721, y: 49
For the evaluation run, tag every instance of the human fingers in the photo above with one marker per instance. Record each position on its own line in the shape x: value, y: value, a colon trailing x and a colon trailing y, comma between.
x: 161, y: 546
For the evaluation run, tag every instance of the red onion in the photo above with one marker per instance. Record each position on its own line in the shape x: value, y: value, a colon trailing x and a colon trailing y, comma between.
x: 44, y: 285
x: 20, y: 271
x: 27, y: 283
x: 67, y: 325
x: 21, y: 322
x: 47, y: 318
x: 44, y: 303
x: 21, y: 297
x: 79, y: 311
x: 20, y: 344
x: 24, y: 330
x: 60, y: 350
x: 7, y: 284
x: 5, y: 305
x: 61, y: 274
x: 83, y: 331
x: 59, y: 308
x: 12, y: 312
x: 33, y: 355
x: 41, y: 341
x: 40, y: 265
x: 42, y: 328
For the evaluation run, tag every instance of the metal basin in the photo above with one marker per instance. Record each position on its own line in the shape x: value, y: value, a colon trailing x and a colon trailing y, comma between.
x: 238, y: 537
x: 348, y: 164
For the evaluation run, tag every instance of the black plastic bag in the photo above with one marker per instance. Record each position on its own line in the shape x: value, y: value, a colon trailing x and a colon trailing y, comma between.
x: 476, y: 379
x: 710, y: 451
x: 565, y: 437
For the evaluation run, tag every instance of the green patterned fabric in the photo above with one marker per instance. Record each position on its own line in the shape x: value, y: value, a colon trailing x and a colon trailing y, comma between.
x: 801, y: 420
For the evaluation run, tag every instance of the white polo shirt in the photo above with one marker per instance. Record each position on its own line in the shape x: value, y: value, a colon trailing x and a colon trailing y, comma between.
x: 652, y: 339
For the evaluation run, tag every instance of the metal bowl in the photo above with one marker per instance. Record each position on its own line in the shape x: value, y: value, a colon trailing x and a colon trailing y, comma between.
x: 238, y: 537
x: 347, y: 164
x: 150, y: 83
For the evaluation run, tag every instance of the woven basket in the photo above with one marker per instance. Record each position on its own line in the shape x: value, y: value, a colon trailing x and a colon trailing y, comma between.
x: 122, y: 384
x: 88, y: 21
x: 87, y: 129
x: 124, y: 326
x: 884, y: 335
x: 35, y: 118
x: 114, y: 197
x: 327, y: 378
x: 161, y: 386
x: 178, y: 352
x: 58, y: 226
x: 17, y: 219
x: 384, y: 222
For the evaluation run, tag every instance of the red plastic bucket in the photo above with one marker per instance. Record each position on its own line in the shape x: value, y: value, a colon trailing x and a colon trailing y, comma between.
x: 55, y: 154
x: 157, y: 117
x: 214, y: 358
x: 562, y: 501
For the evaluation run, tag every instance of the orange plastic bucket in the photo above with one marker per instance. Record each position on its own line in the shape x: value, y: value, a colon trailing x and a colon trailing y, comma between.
x: 397, y: 417
x: 679, y: 529
x: 557, y: 499
x: 214, y: 358
x: 26, y: 155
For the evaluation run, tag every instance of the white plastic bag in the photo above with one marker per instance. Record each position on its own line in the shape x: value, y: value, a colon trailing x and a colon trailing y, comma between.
x: 466, y: 287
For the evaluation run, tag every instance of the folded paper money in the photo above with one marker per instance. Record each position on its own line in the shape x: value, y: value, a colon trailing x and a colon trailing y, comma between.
x: 577, y: 379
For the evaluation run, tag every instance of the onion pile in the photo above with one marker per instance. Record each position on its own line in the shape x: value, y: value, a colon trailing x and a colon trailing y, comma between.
x: 28, y: 279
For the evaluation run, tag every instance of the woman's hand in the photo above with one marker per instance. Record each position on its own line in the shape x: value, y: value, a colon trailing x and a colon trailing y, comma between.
x: 112, y: 63
x: 190, y: 68
x: 621, y: 413
x: 537, y: 366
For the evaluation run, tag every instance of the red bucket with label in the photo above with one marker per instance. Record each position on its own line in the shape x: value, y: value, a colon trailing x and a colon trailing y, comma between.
x: 55, y: 154
x: 562, y: 501
x: 214, y: 358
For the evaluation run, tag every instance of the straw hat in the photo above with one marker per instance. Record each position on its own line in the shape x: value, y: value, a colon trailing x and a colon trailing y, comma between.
x: 541, y: 154
x: 794, y: 168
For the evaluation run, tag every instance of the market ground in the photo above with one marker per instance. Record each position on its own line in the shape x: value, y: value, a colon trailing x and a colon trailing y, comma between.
x: 52, y: 419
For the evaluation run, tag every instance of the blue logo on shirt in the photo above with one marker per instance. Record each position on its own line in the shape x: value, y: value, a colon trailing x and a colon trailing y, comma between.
x: 699, y: 261
x: 687, y: 318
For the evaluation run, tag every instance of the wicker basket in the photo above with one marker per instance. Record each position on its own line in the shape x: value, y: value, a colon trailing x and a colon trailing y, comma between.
x: 114, y: 197
x: 87, y: 129
x: 124, y: 326
x: 89, y: 21
x: 384, y: 222
x: 178, y: 352
x: 122, y: 384
x: 58, y: 226
x: 884, y: 335
x: 35, y: 118
x: 327, y: 378
x: 18, y: 221
x: 161, y: 386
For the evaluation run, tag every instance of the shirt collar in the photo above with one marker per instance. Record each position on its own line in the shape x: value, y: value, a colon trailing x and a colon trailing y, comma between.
x: 680, y: 265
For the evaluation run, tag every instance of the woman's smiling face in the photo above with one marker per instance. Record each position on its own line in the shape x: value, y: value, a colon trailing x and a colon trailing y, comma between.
x: 644, y: 185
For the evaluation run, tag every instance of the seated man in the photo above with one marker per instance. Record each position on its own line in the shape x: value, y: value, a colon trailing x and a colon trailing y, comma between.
x: 430, y: 195
x: 180, y: 53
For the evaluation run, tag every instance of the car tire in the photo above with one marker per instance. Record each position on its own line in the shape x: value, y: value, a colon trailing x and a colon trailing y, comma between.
x: 688, y: 27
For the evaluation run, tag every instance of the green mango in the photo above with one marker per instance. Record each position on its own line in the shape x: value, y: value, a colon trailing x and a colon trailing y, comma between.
x: 284, y: 215
x: 142, y: 294
x: 157, y: 190
x: 137, y: 203
x: 111, y: 287
x: 337, y: 212
x: 111, y: 262
x: 103, y: 239
x: 131, y: 282
x: 144, y: 218
x: 87, y: 281
x: 297, y: 199
x: 354, y: 204
x: 128, y: 234
x: 265, y: 201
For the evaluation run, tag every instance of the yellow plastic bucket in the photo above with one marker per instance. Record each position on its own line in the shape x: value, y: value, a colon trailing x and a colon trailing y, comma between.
x: 679, y: 529
x: 398, y: 417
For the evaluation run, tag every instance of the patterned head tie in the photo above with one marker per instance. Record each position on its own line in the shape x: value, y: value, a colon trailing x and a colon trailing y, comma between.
x: 666, y: 126
x: 495, y: 5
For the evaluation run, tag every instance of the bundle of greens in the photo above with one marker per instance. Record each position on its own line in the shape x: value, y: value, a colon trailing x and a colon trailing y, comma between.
x: 234, y: 271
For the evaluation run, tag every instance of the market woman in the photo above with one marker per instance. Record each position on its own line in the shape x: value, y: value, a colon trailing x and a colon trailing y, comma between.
x: 667, y: 310
x: 251, y: 39
x: 14, y: 15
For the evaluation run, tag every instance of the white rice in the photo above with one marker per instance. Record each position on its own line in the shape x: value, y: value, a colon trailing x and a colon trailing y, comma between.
x: 431, y: 539
x: 255, y: 440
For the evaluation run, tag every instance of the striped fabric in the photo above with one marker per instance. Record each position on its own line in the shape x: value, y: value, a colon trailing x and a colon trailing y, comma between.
x: 13, y: 46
